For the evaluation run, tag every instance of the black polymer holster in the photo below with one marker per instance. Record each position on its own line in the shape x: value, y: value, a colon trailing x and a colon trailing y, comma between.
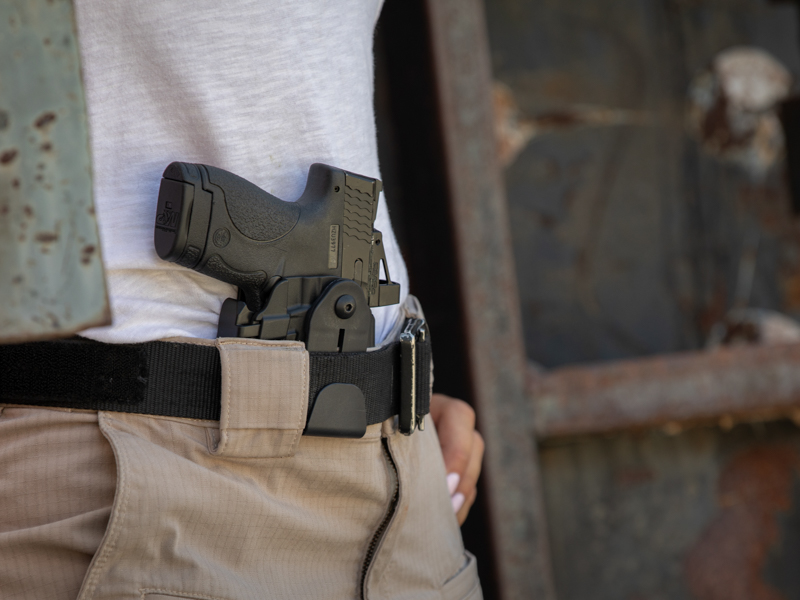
x: 307, y: 270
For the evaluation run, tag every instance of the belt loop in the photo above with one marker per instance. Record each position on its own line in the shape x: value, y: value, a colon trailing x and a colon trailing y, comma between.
x: 264, y: 397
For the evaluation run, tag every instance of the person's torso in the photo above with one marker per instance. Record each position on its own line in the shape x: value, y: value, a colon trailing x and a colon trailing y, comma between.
x: 260, y: 88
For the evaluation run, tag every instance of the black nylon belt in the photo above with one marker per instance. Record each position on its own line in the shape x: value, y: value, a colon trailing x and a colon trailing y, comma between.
x: 183, y: 380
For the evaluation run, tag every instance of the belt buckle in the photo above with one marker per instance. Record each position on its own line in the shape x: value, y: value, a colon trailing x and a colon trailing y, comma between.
x: 409, y: 421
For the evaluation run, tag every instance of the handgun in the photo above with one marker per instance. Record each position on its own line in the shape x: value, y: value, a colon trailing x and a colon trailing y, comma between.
x: 307, y: 270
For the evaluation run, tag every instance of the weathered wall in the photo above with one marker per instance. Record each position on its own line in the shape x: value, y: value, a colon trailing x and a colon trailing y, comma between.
x: 631, y: 224
x: 704, y: 515
x: 628, y: 233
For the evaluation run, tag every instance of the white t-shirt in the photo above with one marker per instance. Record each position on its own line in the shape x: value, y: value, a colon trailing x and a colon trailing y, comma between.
x: 261, y: 88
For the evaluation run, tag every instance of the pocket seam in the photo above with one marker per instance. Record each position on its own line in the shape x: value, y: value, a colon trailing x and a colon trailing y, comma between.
x: 469, y: 565
x: 116, y: 519
x: 176, y: 594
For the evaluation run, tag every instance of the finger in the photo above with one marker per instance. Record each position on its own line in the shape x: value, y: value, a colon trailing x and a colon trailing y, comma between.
x: 469, y: 479
x: 465, y: 495
x: 437, y: 402
x: 455, y: 426
x: 461, y: 515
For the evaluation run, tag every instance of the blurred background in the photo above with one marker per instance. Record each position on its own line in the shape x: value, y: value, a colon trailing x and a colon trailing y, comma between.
x: 596, y: 202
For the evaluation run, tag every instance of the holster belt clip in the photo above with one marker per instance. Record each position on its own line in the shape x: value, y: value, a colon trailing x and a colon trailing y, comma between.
x: 415, y: 330
x: 339, y: 410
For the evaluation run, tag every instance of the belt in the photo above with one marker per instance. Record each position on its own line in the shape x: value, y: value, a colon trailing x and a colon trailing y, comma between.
x: 183, y: 380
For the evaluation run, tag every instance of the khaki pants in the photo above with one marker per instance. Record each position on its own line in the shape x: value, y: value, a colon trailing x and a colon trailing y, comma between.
x: 122, y: 506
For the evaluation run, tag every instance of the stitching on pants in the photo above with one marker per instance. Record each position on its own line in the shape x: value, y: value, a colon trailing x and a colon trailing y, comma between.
x: 303, y: 396
x: 190, y: 420
x: 117, y: 517
x: 188, y: 595
x: 223, y: 432
x: 398, y: 519
x: 52, y: 408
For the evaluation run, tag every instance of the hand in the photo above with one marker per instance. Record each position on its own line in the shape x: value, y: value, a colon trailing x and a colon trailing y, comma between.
x: 462, y: 448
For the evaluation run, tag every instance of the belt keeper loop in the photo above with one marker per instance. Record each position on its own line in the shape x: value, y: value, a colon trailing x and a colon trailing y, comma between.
x: 264, y: 397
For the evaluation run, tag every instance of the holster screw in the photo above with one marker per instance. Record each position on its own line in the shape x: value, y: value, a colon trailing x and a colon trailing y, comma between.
x: 345, y: 306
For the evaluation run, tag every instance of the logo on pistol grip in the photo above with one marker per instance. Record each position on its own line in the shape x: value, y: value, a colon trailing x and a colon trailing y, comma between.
x: 221, y: 237
x: 168, y: 218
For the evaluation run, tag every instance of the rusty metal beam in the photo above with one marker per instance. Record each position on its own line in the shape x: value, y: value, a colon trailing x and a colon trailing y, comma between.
x: 51, y: 277
x: 672, y: 391
x: 488, y: 289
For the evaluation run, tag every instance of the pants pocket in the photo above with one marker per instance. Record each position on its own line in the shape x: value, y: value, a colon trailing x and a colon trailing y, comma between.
x: 169, y: 595
x: 189, y: 524
x: 57, y: 481
x: 464, y: 585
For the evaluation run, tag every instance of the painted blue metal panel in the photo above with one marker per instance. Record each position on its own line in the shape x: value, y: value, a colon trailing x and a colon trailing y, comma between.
x: 51, y: 275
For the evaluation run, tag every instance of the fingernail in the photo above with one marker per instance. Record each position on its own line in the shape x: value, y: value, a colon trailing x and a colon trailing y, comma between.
x: 457, y: 501
x: 452, y: 482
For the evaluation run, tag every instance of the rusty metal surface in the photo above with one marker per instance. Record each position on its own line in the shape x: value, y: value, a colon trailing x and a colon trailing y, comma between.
x: 705, y: 515
x: 496, y: 367
x: 674, y: 391
x: 51, y: 275
x: 628, y: 229
x: 754, y: 493
x: 648, y: 197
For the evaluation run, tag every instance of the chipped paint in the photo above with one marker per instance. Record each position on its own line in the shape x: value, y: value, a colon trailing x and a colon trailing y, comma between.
x: 727, y: 561
x: 49, y: 284
x: 754, y: 326
x: 732, y: 108
x: 513, y: 130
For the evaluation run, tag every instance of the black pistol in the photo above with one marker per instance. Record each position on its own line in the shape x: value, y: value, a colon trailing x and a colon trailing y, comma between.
x: 307, y: 270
